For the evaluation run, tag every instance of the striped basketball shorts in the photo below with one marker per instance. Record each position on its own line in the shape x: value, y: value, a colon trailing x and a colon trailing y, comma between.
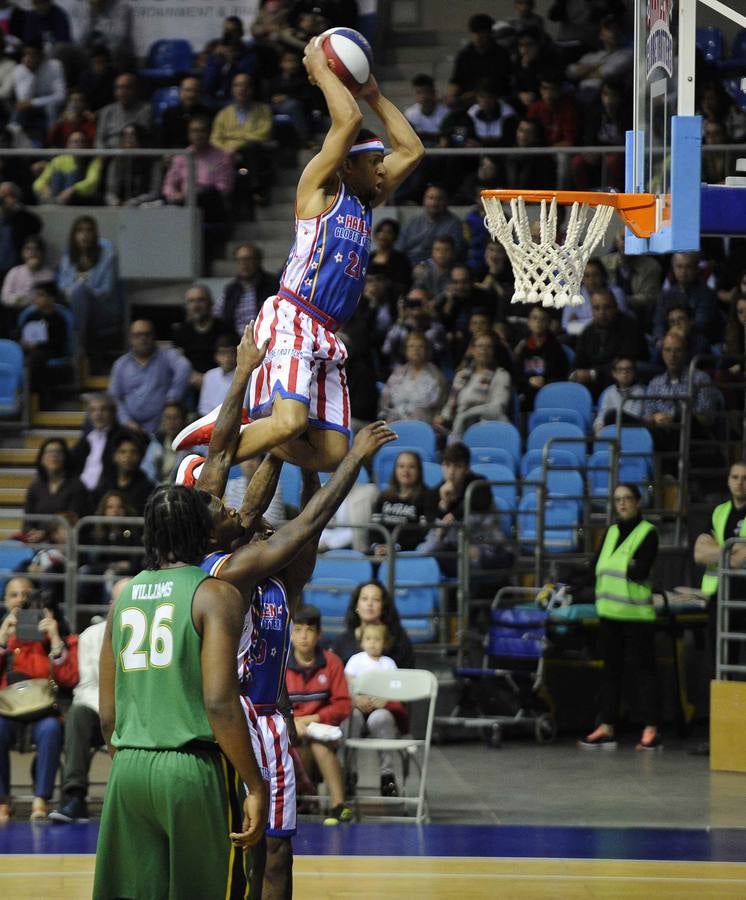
x: 304, y: 362
x: 269, y: 737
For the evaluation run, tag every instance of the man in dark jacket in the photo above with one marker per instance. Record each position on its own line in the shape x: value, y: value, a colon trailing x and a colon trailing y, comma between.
x: 175, y: 119
x: 242, y: 298
x: 16, y: 224
x: 93, y: 454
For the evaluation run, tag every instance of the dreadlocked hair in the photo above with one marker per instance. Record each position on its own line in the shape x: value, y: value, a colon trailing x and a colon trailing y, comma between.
x: 177, y: 527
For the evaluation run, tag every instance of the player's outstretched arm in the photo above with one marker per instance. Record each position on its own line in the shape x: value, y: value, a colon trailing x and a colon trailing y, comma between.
x: 225, y: 436
x: 218, y: 611
x: 406, y: 146
x: 260, y: 559
x: 317, y: 183
x: 259, y: 492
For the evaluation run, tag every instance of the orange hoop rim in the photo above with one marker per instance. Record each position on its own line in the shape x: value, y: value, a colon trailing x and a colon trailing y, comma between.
x: 637, y: 210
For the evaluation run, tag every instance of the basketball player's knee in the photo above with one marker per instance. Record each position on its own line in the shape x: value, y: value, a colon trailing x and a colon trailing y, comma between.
x: 279, y: 858
x: 290, y: 420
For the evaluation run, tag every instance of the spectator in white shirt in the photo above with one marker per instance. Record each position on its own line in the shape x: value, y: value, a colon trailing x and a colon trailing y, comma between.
x: 427, y: 113
x: 93, y: 454
x: 217, y: 381
x: 40, y: 90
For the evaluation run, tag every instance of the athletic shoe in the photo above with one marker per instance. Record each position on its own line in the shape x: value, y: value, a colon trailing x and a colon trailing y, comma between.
x: 75, y: 810
x: 198, y: 434
x: 598, y: 740
x: 388, y: 785
x: 655, y: 744
x: 189, y: 470
x: 340, y: 813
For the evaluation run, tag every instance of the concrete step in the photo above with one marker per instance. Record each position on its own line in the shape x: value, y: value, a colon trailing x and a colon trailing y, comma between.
x: 274, y: 213
x: 17, y: 456
x: 11, y: 523
x: 265, y: 233
x: 58, y: 418
x: 96, y: 383
x: 12, y: 496
x: 36, y: 438
x: 21, y: 478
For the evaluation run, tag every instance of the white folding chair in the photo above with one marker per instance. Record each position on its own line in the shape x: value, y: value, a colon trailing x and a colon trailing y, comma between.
x: 404, y: 685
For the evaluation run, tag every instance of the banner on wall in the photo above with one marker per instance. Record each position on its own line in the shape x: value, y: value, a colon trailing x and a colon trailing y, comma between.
x: 199, y: 21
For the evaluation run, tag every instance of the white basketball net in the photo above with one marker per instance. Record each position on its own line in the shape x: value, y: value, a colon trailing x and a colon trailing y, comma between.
x: 547, y: 271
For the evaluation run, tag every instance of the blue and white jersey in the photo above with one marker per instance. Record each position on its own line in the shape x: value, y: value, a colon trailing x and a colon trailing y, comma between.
x: 265, y: 662
x: 329, y: 257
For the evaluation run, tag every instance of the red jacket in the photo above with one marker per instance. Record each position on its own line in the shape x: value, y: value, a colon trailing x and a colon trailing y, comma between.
x: 31, y: 658
x: 319, y: 689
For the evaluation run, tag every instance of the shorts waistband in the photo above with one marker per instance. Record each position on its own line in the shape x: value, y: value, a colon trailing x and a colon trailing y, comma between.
x: 265, y: 709
x: 324, y: 319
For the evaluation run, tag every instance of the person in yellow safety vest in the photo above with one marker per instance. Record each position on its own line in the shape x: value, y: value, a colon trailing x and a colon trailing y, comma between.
x: 626, y: 620
x: 728, y: 520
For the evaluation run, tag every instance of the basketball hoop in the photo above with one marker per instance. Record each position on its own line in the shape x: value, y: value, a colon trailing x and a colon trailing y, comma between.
x: 548, y: 271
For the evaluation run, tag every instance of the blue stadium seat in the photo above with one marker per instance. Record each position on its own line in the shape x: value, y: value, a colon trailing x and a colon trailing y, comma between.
x: 630, y: 470
x: 493, y: 455
x: 290, y: 482
x: 558, y: 458
x: 634, y: 442
x: 414, y: 433
x: 168, y: 58
x: 385, y: 459
x: 506, y: 514
x: 164, y: 98
x: 432, y: 473
x: 542, y: 434
x: 556, y: 414
x: 416, y: 593
x: 561, y: 522
x: 710, y: 41
x: 566, y: 395
x: 11, y: 377
x: 13, y: 555
x: 335, y: 577
x: 362, y: 476
x: 507, y: 489
x: 559, y: 483
x: 494, y: 434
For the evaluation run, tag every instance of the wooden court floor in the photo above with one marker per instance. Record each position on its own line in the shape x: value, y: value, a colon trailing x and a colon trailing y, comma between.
x: 70, y: 877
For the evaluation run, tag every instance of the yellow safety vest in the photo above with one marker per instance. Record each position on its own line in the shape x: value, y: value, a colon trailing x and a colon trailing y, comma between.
x: 617, y: 597
x: 719, y: 520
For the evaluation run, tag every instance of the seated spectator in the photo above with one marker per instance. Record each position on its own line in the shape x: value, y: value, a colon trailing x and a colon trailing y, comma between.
x: 539, y: 359
x: 82, y: 729
x: 214, y: 176
x: 225, y: 63
x: 174, y: 130
x: 482, y: 58
x: 21, y: 280
x: 718, y: 165
x: 404, y: 503
x: 75, y: 117
x: 639, y: 276
x: 625, y: 398
x: 132, y: 180
x: 88, y: 276
x: 372, y: 716
x: 526, y: 171
x: 54, y: 490
x: 7, y: 68
x: 575, y: 318
x: 460, y: 300
x: 107, y: 23
x: 480, y: 322
x: 318, y: 692
x: 94, y: 451
x: 242, y: 297
x: 426, y: 114
x: 414, y: 315
x: 125, y: 110
x: 386, y: 260
x: 457, y: 131
x: 160, y: 461
x: 679, y: 318
x: 613, y: 59
x: 198, y: 335
x: 39, y: 87
x: 145, y: 379
x: 362, y: 335
x: 16, y: 224
x: 416, y: 389
x: 96, y: 81
x: 43, y: 336
x: 533, y: 52
x: 526, y: 18
x: 494, y: 119
x: 604, y: 125
x: 55, y: 649
x: 292, y: 96
x: 71, y: 180
x: 47, y: 22
x: 240, y: 130
x: 417, y: 236
x: 109, y: 536
x: 127, y: 478
x: 217, y: 381
x: 684, y: 284
x: 371, y: 603
x: 578, y: 19
x: 557, y: 111
x: 495, y: 274
x: 609, y: 335
x: 735, y: 333
x: 434, y: 273
x: 480, y: 390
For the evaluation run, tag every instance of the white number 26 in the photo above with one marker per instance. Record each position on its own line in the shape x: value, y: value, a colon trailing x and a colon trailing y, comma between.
x: 159, y: 652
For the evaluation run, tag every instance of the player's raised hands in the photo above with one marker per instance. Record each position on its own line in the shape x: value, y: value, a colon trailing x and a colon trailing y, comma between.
x: 370, y: 92
x: 314, y: 60
x: 248, y: 355
x: 370, y: 439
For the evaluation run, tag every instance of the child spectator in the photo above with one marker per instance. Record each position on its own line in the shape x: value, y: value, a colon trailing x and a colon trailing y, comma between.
x: 539, y: 359
x: 43, y: 337
x: 21, y: 280
x: 371, y: 715
x: 624, y: 397
x: 318, y: 692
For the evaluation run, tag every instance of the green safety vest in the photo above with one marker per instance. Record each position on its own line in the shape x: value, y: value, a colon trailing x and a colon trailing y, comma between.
x: 157, y: 650
x: 719, y: 519
x: 617, y: 597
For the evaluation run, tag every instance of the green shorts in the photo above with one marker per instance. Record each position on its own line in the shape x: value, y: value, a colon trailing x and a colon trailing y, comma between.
x: 164, y: 829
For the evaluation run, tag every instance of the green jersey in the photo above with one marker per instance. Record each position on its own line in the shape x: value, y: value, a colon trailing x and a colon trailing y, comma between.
x: 158, y: 688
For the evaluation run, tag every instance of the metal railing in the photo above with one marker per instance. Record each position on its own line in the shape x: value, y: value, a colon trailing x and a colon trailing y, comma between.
x: 730, y: 642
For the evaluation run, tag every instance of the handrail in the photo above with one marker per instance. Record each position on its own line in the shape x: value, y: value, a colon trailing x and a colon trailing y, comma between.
x: 724, y: 635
